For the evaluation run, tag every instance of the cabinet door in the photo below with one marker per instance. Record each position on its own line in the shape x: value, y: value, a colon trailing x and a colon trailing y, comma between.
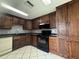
x: 63, y: 47
x: 19, y: 41
x: 28, y: 25
x: 73, y: 49
x: 35, y: 23
x: 21, y: 22
x: 44, y: 19
x: 73, y: 18
x: 22, y: 40
x: 15, y: 21
x: 16, y: 42
x: 28, y: 40
x: 5, y: 22
x: 54, y: 45
x: 34, y: 40
x: 53, y: 20
x: 61, y: 19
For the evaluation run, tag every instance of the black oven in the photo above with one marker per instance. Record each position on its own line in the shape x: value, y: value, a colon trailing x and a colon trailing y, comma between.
x: 43, y: 40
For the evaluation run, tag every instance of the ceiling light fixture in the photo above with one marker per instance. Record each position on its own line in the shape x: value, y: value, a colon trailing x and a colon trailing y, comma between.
x: 13, y: 9
x: 46, y: 2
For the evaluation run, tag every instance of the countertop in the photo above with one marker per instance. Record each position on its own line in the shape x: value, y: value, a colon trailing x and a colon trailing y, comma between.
x: 14, y: 34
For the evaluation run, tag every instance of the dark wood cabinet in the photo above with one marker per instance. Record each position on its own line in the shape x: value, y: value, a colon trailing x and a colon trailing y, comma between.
x: 73, y: 48
x: 62, y: 21
x: 52, y: 21
x: 73, y: 16
x: 44, y: 19
x: 68, y: 30
x: 73, y: 27
x: 15, y: 21
x: 54, y: 45
x: 21, y: 22
x: 28, y: 39
x: 5, y: 22
x: 63, y: 47
x: 28, y: 25
x: 34, y: 40
x: 20, y: 41
x: 35, y: 23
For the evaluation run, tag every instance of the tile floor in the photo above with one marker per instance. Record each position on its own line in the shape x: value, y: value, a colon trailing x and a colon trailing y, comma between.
x: 30, y: 52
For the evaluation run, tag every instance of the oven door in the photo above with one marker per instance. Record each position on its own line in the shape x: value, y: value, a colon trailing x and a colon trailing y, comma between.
x: 42, y: 43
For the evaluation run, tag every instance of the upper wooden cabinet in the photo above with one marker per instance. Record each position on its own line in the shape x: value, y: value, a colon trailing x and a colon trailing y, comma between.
x: 52, y: 20
x: 15, y: 21
x: 5, y: 22
x: 44, y: 19
x: 73, y: 18
x: 28, y: 25
x: 21, y: 21
x: 62, y: 19
x: 35, y: 23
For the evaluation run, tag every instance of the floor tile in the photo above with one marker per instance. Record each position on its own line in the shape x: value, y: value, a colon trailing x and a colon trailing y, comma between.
x: 33, y: 54
x: 50, y: 56
x: 58, y: 57
x: 40, y: 52
x: 35, y: 57
x: 25, y: 57
x: 42, y: 57
x: 30, y: 52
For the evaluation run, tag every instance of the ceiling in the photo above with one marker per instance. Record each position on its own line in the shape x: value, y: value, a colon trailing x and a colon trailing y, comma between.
x: 37, y: 10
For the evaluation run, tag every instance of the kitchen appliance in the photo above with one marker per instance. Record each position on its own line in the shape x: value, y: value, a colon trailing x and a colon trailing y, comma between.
x: 44, y: 26
x: 5, y: 45
x: 46, y: 32
x: 43, y: 42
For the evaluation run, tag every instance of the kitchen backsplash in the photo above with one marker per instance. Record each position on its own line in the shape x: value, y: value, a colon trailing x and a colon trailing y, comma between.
x: 14, y: 30
x: 19, y: 29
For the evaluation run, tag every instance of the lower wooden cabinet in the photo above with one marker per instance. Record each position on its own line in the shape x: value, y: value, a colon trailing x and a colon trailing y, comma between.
x: 20, y: 41
x: 63, y: 45
x: 28, y: 39
x: 34, y: 40
x: 73, y: 49
x: 54, y: 45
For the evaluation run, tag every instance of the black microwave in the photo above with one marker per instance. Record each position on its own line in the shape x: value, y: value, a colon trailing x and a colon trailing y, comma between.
x: 44, y: 26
